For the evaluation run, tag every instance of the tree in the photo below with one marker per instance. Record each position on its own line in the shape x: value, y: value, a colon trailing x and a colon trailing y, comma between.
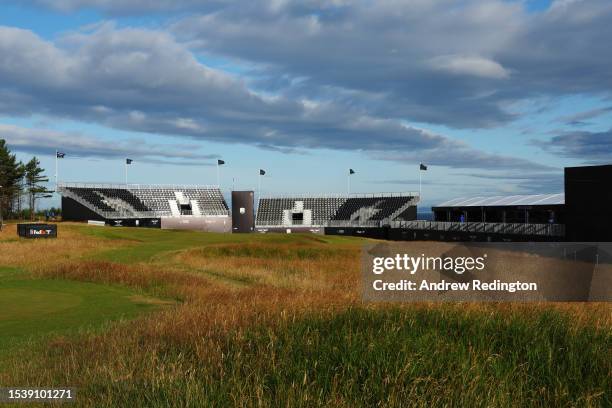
x: 20, y: 188
x: 34, y: 181
x: 10, y: 178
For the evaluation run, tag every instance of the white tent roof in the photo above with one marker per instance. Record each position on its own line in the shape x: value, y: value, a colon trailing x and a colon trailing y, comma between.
x: 536, y: 199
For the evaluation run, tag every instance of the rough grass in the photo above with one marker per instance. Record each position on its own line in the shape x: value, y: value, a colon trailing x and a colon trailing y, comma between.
x: 275, y: 320
x: 71, y: 244
x: 418, y: 357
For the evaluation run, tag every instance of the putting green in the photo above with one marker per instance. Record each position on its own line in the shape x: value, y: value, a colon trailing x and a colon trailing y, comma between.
x: 32, y: 309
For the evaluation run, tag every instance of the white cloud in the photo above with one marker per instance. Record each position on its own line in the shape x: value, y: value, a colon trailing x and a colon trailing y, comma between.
x: 46, y: 141
x: 469, y: 65
x: 341, y: 75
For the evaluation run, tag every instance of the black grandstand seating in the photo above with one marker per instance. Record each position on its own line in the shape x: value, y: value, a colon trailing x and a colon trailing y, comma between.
x: 353, y: 205
x: 390, y: 206
x: 335, y: 209
x: 97, y: 196
x: 116, y: 201
x: 408, y: 214
x: 93, y: 197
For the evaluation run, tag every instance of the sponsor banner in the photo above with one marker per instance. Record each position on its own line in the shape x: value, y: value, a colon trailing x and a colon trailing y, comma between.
x: 37, y: 230
x: 524, y: 272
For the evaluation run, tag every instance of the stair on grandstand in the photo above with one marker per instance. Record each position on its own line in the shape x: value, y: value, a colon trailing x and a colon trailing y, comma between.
x: 272, y: 211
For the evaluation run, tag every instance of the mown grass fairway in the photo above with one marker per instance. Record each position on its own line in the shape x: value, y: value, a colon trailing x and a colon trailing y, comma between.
x: 31, y: 309
x: 275, y: 320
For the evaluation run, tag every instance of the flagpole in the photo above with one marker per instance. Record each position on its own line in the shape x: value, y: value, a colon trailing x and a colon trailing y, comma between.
x: 348, y: 183
x: 259, y: 186
x: 218, y: 177
x: 126, y: 170
x: 420, y: 172
x: 56, y: 171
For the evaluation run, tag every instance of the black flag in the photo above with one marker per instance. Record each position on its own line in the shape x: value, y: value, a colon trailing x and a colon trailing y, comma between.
x: 128, y: 161
x: 220, y: 162
x: 262, y: 172
x: 60, y: 155
x: 351, y: 171
x: 422, y: 167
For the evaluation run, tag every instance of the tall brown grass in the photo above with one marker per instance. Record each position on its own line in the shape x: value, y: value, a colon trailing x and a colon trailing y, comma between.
x: 224, y: 291
x: 70, y: 245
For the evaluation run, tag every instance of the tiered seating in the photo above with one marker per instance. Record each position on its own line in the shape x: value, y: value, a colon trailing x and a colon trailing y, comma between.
x: 327, y: 210
x: 210, y: 201
x: 390, y: 205
x: 405, y: 215
x: 323, y: 209
x: 91, y: 196
x: 126, y: 196
x: 270, y: 211
x: 143, y: 201
x: 156, y: 199
x: 353, y: 205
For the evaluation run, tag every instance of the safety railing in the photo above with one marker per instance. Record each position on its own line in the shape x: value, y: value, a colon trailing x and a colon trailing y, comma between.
x: 354, y: 224
x: 346, y: 224
x: 553, y: 230
x: 137, y: 186
x: 338, y: 195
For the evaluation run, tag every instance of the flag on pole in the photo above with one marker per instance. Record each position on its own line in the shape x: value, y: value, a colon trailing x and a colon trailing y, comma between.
x: 351, y: 171
x: 128, y: 161
x: 422, y: 167
x: 58, y: 155
x: 262, y: 172
x: 219, y: 163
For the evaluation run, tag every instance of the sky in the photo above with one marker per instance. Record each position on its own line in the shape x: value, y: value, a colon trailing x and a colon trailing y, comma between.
x: 494, y: 96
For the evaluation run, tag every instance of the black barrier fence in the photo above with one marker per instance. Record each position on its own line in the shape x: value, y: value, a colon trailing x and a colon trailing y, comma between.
x: 400, y: 234
x: 37, y: 230
x: 367, y: 232
x: 406, y: 234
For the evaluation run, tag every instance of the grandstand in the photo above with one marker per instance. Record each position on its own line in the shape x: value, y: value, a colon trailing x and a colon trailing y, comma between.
x: 586, y: 215
x: 108, y: 202
x: 538, y: 217
x: 317, y: 211
x: 535, y: 208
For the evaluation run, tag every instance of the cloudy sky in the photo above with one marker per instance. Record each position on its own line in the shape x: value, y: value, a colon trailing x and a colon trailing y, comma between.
x: 496, y: 96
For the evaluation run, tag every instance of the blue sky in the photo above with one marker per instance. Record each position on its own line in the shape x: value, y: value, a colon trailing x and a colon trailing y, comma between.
x: 496, y: 96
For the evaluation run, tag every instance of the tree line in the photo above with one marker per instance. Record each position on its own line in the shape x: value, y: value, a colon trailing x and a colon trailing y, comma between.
x: 21, y: 184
